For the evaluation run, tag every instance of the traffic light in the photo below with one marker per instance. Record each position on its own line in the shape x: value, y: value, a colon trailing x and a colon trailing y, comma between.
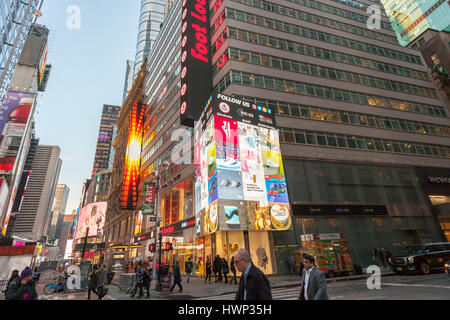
x: 151, y: 247
x: 168, y: 246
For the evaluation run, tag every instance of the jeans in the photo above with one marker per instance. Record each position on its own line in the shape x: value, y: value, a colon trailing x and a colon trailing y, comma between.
x: 208, y: 275
x: 136, y: 287
x: 188, y: 276
x: 177, y: 281
x: 89, y: 293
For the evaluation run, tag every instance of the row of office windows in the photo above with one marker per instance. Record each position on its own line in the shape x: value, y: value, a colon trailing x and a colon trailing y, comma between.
x: 361, y: 143
x: 318, y: 35
x: 347, y: 117
x: 304, y: 16
x: 300, y: 88
x: 328, y: 73
x: 322, y: 53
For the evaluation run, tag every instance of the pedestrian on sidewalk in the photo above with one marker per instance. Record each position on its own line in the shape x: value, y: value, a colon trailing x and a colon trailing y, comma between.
x: 225, y: 269
x: 102, y: 289
x: 146, y: 281
x: 93, y: 282
x: 36, y: 274
x: 23, y: 288
x: 208, y: 270
x: 313, y: 285
x: 188, y: 268
x: 217, y: 268
x: 14, y: 281
x: 388, y: 256
x: 381, y: 257
x: 233, y: 270
x: 139, y: 275
x: 253, y: 284
x: 177, y: 277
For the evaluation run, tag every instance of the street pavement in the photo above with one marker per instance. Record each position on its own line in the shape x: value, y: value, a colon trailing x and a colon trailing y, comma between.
x: 393, y: 287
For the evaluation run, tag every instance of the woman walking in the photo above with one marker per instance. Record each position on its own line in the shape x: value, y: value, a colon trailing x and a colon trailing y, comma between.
x: 208, y: 270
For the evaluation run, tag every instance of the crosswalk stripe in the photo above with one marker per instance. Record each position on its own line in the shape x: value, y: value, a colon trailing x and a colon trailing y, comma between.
x: 279, y: 293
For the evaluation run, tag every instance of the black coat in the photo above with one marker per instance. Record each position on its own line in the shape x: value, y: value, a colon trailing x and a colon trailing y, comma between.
x: 258, y: 286
x: 208, y: 267
x: 16, y: 290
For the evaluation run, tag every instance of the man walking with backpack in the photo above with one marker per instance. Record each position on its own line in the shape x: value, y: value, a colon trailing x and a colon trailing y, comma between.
x: 188, y: 268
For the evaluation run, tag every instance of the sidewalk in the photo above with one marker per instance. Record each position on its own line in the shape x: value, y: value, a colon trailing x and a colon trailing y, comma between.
x: 196, y: 288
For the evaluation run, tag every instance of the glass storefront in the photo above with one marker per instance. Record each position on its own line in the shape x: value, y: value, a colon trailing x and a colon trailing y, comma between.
x: 408, y: 219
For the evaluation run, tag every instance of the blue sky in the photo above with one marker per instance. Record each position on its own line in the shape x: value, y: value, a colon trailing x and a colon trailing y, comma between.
x: 88, y: 71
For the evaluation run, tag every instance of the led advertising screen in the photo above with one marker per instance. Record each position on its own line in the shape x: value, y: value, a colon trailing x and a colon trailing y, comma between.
x: 195, y: 60
x: 240, y: 182
x: 14, y: 113
x: 129, y: 192
x: 91, y: 216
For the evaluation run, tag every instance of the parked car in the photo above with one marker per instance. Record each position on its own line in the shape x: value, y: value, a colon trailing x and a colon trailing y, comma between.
x: 447, y: 268
x: 422, y: 258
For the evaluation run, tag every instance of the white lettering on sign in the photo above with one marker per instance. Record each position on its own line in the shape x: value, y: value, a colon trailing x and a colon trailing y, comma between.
x: 439, y: 179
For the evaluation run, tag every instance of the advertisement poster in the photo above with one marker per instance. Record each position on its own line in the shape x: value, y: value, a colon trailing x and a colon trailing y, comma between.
x: 148, y: 205
x: 212, y: 187
x: 227, y: 143
x: 91, y: 217
x: 230, y: 185
x: 280, y: 216
x: 232, y: 215
x: 254, y: 183
x: 14, y: 113
x: 258, y: 215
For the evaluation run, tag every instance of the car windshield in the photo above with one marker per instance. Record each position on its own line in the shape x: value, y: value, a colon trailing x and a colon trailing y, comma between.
x: 413, y: 250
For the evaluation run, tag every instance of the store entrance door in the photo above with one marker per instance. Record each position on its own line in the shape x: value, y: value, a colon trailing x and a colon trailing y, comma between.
x: 411, y: 237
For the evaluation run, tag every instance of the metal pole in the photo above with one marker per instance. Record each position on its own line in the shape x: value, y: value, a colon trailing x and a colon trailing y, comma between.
x: 84, y: 245
x: 155, y: 234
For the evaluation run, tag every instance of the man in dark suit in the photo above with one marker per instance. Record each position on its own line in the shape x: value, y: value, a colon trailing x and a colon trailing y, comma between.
x: 314, y: 284
x: 253, y: 284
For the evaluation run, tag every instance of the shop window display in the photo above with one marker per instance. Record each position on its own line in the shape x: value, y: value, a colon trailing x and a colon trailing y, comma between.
x: 260, y: 251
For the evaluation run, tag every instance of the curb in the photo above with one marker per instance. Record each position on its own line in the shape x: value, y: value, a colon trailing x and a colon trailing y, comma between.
x: 285, y: 285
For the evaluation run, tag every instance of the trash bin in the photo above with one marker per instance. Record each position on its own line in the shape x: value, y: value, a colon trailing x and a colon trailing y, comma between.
x: 164, y: 270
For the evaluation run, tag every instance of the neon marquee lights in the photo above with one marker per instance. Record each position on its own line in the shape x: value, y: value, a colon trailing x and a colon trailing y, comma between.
x: 128, y: 197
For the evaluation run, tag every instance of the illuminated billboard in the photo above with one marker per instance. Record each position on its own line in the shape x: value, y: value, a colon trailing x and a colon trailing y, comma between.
x: 240, y: 182
x: 92, y: 218
x: 14, y: 113
x: 196, y: 80
x: 128, y: 196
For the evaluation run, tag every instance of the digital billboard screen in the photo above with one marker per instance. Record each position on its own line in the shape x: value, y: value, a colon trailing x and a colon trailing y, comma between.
x: 196, y: 80
x: 14, y: 113
x: 240, y: 182
x: 91, y: 216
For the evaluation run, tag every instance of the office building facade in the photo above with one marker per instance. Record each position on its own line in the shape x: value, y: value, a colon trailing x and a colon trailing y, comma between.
x: 412, y: 17
x: 110, y: 115
x: 34, y: 218
x: 15, y: 22
x: 58, y: 211
x: 358, y: 114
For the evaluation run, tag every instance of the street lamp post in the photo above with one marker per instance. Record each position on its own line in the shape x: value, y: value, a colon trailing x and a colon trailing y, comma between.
x: 157, y: 235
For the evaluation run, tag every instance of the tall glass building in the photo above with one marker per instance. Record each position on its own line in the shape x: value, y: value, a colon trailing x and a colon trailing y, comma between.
x: 15, y: 21
x: 412, y: 17
x: 152, y: 15
x: 362, y: 127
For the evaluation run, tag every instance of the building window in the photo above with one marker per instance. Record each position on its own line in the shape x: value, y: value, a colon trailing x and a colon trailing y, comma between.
x: 434, y: 57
